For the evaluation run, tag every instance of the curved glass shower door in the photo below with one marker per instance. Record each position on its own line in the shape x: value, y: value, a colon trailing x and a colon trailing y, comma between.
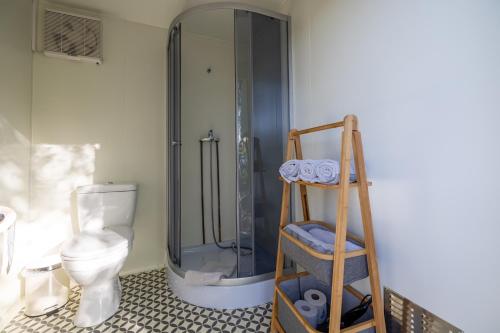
x: 228, y: 120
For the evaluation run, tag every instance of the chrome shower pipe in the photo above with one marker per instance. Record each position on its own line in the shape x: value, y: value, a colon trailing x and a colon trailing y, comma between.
x: 211, y: 138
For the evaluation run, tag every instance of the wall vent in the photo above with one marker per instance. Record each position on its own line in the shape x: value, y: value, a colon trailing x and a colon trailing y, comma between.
x: 404, y: 316
x: 72, y: 36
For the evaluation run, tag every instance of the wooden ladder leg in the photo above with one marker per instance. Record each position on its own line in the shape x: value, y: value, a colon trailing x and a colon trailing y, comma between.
x: 280, y: 258
x: 285, y: 208
x: 366, y: 216
x: 341, y: 228
x: 302, y: 188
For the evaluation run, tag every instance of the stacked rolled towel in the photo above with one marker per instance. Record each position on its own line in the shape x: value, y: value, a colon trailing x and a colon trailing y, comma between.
x: 290, y: 170
x: 308, y: 171
x: 314, y: 171
x: 328, y: 171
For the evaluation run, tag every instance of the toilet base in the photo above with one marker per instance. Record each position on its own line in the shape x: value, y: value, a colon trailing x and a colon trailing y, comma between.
x: 98, y: 303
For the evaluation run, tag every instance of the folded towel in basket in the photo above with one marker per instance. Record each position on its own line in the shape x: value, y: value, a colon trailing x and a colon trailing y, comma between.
x: 305, y: 237
x: 328, y: 237
x: 317, y: 237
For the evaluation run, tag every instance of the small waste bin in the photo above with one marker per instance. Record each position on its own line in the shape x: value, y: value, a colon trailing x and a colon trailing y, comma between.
x: 46, y: 286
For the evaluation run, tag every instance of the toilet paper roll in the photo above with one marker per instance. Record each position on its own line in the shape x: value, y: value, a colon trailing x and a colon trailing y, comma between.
x: 309, y: 312
x: 317, y: 299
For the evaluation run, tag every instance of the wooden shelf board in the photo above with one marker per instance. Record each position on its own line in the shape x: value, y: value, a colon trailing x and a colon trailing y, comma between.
x: 323, y: 186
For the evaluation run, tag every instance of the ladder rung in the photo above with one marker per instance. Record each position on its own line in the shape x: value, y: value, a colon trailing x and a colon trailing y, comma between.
x: 355, y: 253
x: 291, y: 277
x: 359, y: 327
x: 324, y: 186
x: 318, y: 128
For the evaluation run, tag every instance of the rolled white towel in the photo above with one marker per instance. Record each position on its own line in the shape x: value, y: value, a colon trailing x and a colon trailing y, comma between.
x: 290, y: 170
x: 308, y: 171
x: 328, y: 171
x: 324, y: 170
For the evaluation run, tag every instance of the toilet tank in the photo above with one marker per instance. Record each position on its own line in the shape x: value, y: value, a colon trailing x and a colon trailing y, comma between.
x: 106, y: 205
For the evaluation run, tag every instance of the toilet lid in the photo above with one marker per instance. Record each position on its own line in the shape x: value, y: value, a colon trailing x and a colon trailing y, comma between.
x: 92, y: 244
x: 46, y: 263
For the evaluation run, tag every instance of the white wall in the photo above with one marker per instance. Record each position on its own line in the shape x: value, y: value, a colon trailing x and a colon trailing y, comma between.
x: 207, y: 103
x: 15, y: 128
x: 424, y: 79
x: 102, y: 123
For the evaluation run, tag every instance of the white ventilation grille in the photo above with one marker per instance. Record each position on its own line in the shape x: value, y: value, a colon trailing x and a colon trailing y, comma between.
x: 404, y: 316
x: 72, y: 36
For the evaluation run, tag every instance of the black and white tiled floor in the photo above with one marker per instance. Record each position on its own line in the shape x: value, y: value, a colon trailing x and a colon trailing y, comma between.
x: 148, y: 305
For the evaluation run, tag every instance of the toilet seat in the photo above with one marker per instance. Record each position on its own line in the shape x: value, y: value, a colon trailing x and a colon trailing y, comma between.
x: 98, y: 245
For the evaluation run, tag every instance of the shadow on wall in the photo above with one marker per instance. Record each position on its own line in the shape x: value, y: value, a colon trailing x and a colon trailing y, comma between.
x: 14, y: 169
x: 46, y: 211
x: 57, y: 170
x: 41, y: 191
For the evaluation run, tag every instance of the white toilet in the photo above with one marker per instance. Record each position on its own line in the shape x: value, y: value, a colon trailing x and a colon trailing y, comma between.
x: 94, y: 257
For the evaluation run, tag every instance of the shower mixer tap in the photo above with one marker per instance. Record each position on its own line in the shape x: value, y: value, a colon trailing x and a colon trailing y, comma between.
x: 210, y: 138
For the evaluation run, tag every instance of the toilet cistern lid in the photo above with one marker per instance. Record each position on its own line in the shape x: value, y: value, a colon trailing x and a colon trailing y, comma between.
x: 106, y: 188
x: 93, y: 244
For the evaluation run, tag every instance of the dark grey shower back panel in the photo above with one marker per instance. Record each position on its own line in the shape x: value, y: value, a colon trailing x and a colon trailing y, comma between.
x: 262, y: 123
x: 268, y: 130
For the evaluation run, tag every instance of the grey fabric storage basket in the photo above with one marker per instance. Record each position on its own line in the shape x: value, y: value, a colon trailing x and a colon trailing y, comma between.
x: 294, y: 289
x: 355, y: 268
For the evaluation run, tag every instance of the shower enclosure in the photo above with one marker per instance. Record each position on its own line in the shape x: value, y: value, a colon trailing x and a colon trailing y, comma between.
x: 228, y: 120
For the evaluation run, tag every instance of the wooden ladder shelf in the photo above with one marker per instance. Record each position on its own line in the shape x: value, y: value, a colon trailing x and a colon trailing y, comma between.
x: 351, y: 142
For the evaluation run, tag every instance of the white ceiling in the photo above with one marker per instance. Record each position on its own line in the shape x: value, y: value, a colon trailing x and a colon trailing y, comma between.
x: 157, y: 13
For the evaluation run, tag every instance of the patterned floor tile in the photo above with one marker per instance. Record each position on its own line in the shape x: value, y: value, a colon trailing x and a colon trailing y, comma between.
x: 148, y: 305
